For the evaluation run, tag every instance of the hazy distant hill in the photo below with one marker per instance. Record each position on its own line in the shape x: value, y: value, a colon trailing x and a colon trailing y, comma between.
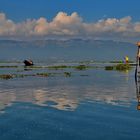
x: 68, y: 42
x: 71, y: 49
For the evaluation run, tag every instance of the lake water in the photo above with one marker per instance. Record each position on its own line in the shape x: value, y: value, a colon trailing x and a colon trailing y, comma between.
x: 89, y: 104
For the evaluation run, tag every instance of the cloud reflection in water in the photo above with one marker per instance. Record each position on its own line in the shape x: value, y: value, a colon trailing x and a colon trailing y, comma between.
x: 66, y: 96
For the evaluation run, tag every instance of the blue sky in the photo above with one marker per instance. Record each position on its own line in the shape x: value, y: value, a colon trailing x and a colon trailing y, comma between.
x: 84, y: 18
x: 90, y: 10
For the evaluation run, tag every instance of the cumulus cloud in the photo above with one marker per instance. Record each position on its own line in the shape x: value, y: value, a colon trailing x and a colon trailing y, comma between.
x: 6, y: 26
x: 71, y: 25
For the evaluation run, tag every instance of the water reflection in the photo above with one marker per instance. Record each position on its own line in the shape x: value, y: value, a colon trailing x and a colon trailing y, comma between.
x: 6, y: 99
x: 62, y: 101
x: 68, y: 93
x: 137, y: 81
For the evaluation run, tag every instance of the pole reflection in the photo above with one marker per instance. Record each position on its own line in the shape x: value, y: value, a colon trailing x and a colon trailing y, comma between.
x: 137, y: 81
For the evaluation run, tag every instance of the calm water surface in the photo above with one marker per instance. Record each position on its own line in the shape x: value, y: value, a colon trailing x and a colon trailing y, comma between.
x: 90, y: 104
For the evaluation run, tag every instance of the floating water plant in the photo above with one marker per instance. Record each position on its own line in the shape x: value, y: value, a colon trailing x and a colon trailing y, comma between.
x: 123, y: 67
x: 121, y: 62
x: 59, y: 67
x: 67, y: 74
x: 43, y: 74
x: 22, y: 75
x: 8, y: 66
x: 81, y: 67
x: 118, y: 61
x: 109, y: 67
x: 6, y: 76
x: 119, y: 67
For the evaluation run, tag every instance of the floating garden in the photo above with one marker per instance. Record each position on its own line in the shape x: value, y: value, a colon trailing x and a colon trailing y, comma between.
x: 20, y: 71
x: 119, y: 67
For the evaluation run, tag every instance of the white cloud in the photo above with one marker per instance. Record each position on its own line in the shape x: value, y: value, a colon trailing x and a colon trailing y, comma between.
x: 42, y: 27
x: 6, y: 26
x: 70, y: 25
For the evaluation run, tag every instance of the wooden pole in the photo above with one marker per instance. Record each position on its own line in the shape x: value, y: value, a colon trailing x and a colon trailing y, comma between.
x: 137, y: 62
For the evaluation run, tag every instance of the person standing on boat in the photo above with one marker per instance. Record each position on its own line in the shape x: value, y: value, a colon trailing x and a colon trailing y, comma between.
x: 138, y: 53
x: 126, y: 59
x: 138, y: 58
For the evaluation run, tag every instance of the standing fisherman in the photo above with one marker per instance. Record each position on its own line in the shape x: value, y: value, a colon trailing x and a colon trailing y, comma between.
x: 138, y: 53
x: 137, y: 61
x: 126, y: 59
x: 137, y: 76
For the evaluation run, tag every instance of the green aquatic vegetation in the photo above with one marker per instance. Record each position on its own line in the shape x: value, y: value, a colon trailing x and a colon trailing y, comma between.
x: 119, y: 67
x: 123, y: 67
x: 22, y: 75
x: 33, y: 67
x: 45, y: 74
x: 8, y: 66
x: 6, y: 76
x: 118, y: 61
x: 81, y: 67
x: 121, y: 61
x: 131, y: 62
x: 67, y: 74
x: 9, y: 61
x: 10, y: 76
x: 59, y: 67
x: 86, y: 62
x: 109, y: 67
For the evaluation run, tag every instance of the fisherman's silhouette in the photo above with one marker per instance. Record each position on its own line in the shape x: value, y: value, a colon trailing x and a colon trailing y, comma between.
x: 137, y: 75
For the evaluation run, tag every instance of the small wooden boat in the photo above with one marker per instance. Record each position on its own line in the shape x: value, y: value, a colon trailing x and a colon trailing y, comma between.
x: 28, y: 62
